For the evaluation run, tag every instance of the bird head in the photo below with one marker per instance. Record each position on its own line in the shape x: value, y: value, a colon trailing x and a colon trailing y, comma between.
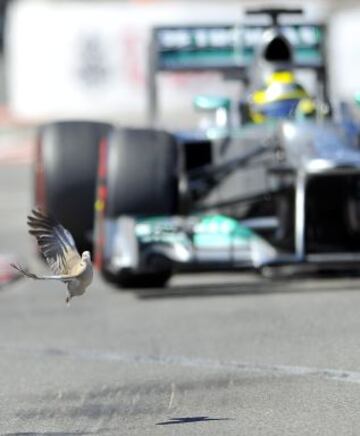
x: 86, y: 256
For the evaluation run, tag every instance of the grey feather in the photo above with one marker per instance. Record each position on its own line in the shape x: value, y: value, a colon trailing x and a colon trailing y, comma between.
x: 55, y: 243
x: 58, y: 247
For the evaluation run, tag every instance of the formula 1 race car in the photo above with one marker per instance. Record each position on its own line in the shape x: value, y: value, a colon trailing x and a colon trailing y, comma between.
x: 279, y: 185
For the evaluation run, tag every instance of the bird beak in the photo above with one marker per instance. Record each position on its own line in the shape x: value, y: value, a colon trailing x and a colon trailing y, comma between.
x: 68, y: 298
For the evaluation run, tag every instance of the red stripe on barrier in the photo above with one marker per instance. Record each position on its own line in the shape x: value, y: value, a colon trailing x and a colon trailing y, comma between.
x: 7, y: 273
x: 17, y: 154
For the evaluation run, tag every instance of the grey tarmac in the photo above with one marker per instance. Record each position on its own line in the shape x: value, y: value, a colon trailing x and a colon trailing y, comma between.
x: 225, y: 354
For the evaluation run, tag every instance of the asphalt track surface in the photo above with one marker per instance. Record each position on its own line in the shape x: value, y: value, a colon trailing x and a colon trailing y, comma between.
x: 212, y: 354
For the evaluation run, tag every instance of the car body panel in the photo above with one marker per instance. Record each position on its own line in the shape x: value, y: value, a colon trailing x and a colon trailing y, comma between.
x: 289, y: 188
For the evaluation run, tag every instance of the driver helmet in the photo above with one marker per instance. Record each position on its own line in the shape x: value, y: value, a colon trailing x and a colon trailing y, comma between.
x: 281, y: 97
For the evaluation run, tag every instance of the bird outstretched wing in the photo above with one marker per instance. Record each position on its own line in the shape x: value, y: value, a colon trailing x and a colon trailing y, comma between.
x: 55, y: 242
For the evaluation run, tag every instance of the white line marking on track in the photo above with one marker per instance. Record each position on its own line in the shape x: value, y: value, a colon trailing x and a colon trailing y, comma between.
x: 213, y: 364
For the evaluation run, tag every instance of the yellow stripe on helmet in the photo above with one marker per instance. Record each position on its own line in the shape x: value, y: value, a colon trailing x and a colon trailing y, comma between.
x: 262, y: 96
x: 281, y: 77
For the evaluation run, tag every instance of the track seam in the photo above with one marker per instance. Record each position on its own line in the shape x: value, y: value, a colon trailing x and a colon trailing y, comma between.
x: 183, y: 361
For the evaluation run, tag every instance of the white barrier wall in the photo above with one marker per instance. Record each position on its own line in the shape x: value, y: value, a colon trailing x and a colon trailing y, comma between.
x: 89, y: 60
x: 344, y: 43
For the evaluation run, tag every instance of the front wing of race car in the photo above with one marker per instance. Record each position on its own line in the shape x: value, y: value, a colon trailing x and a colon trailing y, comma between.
x: 187, y: 243
x: 199, y: 242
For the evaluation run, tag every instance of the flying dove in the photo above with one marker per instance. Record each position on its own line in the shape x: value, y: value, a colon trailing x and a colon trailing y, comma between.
x: 58, y: 247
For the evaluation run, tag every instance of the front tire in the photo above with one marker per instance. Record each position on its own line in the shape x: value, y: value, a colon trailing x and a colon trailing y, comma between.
x: 141, y: 173
x: 141, y: 181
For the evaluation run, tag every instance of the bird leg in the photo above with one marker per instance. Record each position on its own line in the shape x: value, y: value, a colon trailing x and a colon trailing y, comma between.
x: 64, y: 278
x: 24, y: 272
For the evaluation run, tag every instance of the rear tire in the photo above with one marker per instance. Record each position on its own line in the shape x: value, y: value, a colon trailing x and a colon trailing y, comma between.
x: 65, y: 174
